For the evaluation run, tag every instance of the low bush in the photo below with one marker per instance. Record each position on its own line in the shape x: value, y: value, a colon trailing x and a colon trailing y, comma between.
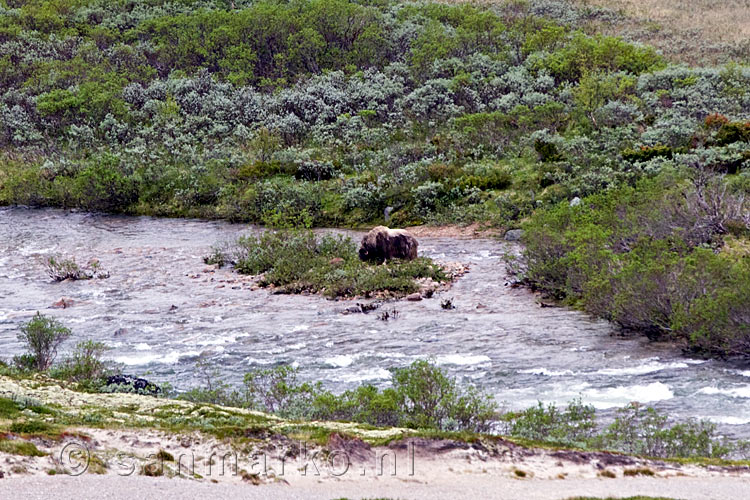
x: 42, y: 337
x: 575, y: 425
x: 640, y: 430
x: 62, y: 268
x: 648, y: 259
x: 85, y: 365
x: 423, y: 396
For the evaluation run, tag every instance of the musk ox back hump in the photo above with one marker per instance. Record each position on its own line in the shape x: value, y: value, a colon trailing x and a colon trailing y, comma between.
x: 382, y: 244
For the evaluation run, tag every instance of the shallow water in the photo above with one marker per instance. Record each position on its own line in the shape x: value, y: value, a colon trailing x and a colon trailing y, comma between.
x: 498, y: 337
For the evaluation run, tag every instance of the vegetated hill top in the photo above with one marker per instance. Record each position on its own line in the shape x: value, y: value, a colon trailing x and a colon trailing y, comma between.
x: 698, y: 32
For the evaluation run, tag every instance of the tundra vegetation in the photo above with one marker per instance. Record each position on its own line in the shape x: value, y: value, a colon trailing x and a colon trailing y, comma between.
x: 421, y: 397
x: 297, y: 261
x: 269, y: 111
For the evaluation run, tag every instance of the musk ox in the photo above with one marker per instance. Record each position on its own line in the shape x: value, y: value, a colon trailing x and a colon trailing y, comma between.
x: 382, y: 244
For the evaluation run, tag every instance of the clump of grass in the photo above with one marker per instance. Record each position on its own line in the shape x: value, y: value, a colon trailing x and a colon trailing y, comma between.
x: 63, y: 268
x: 638, y: 471
x: 29, y: 427
x: 388, y: 315
x: 152, y: 470
x: 607, y: 473
x: 164, y: 456
x: 20, y: 447
x: 447, y: 304
x: 96, y: 465
x: 8, y: 408
x: 520, y: 473
x: 296, y: 261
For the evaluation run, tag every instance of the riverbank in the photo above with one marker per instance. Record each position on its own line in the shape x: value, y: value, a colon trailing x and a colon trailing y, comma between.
x: 114, y: 442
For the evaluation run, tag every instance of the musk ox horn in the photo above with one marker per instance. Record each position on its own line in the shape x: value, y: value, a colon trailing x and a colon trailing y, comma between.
x: 382, y: 244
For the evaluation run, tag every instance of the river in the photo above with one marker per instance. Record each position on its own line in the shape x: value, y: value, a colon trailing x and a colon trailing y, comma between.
x: 161, y: 311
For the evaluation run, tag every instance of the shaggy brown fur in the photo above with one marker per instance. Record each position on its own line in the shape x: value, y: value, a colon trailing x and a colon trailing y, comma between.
x: 382, y: 244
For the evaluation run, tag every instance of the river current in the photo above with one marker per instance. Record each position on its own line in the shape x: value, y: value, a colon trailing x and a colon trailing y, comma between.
x: 162, y: 310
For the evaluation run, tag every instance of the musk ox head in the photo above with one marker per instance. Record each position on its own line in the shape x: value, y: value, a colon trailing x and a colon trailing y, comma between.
x: 382, y: 244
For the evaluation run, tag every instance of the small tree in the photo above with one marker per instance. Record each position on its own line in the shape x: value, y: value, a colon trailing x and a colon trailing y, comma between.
x: 85, y: 364
x: 42, y: 336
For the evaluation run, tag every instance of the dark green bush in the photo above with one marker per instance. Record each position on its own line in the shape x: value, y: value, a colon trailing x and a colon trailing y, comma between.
x: 42, y: 336
x: 640, y: 257
x: 103, y: 187
x: 85, y: 365
x: 576, y: 425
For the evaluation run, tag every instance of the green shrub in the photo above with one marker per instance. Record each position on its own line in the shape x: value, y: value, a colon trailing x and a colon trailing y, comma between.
x: 65, y: 268
x: 640, y: 257
x: 576, y: 425
x: 85, y: 365
x: 103, y: 187
x: 277, y: 390
x: 29, y: 427
x: 20, y: 447
x: 42, y: 336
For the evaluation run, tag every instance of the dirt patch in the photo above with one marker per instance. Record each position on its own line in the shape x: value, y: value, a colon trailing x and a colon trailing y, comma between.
x: 475, y: 230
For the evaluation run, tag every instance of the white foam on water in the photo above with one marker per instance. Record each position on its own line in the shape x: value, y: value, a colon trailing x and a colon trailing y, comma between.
x: 212, y: 341
x: 300, y: 328
x: 370, y: 374
x: 736, y: 392
x: 727, y: 420
x: 614, y: 397
x: 695, y: 361
x: 170, y: 358
x: 340, y: 361
x: 745, y: 373
x: 650, y: 367
x: 142, y: 347
x: 547, y: 373
x: 462, y: 359
x: 135, y: 360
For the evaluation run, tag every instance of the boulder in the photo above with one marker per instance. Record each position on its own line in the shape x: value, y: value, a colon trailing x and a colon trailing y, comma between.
x: 137, y: 385
x: 514, y: 235
x: 382, y: 244
x: 63, y: 303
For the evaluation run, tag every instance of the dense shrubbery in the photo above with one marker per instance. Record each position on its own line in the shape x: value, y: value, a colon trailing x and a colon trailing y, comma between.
x: 445, y: 113
x: 636, y: 430
x: 653, y: 258
x: 296, y: 261
x: 43, y: 336
x: 422, y: 396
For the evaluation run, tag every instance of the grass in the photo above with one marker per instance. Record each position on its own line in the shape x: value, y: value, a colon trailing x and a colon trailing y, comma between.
x: 697, y: 32
x: 638, y: 471
x: 20, y: 447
